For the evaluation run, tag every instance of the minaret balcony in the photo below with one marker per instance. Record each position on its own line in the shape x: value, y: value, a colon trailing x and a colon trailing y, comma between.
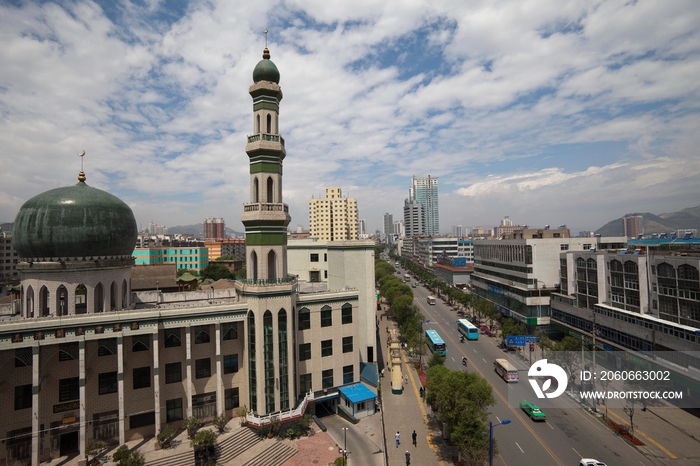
x: 265, y: 142
x: 277, y: 213
x: 265, y: 286
x: 265, y: 207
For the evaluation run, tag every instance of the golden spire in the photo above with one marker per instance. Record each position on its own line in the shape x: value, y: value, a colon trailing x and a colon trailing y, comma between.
x: 81, y: 175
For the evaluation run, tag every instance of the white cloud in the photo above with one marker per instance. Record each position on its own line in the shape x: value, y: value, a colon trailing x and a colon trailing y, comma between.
x: 374, y: 93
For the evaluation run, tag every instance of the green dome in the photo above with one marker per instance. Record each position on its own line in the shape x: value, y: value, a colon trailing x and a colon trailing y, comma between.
x: 265, y: 70
x: 74, y: 221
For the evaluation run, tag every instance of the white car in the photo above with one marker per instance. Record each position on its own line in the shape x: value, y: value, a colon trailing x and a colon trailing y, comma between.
x: 590, y: 462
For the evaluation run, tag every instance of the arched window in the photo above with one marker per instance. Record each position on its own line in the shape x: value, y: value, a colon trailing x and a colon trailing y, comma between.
x: 81, y: 299
x: 666, y: 270
x: 283, y: 363
x: 43, y: 301
x: 125, y: 295
x: 270, y: 190
x: 99, y: 304
x: 61, y: 301
x: 253, y: 266
x: 272, y: 265
x: 255, y: 190
x: 113, y: 297
x: 631, y: 267
x: 269, y: 361
x: 257, y: 124
x: 304, y: 319
x: 269, y: 123
x: 615, y: 266
x: 29, y: 308
x: 252, y: 368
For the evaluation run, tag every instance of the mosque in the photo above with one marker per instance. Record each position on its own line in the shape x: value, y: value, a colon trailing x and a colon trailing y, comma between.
x: 84, y: 360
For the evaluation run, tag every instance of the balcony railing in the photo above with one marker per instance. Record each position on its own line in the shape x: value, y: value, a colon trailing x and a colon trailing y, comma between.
x: 266, y: 137
x: 265, y: 207
x: 270, y: 281
x: 255, y: 420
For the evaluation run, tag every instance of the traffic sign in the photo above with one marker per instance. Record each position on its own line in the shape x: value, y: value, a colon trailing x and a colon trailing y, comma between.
x: 532, y: 339
x: 515, y: 340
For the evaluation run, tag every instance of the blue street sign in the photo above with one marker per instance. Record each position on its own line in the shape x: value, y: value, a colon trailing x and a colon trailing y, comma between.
x: 515, y: 340
x: 532, y: 339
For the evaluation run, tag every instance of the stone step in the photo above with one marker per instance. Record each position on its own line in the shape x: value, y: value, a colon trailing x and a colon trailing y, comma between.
x: 242, y: 440
x: 275, y: 455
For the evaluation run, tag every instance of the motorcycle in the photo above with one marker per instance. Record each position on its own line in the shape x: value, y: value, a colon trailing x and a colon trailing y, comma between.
x: 461, y: 339
x: 464, y: 361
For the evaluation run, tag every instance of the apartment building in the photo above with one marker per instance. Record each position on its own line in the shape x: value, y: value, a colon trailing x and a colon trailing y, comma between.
x: 334, y: 217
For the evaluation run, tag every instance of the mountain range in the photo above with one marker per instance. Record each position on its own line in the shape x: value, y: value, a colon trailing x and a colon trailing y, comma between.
x: 663, y: 223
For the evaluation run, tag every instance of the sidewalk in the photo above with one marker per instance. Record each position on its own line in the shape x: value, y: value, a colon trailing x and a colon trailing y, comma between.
x: 406, y: 412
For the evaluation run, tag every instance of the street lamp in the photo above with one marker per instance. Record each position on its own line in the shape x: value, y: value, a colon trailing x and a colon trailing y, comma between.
x: 491, y: 426
x: 420, y: 346
x: 345, y: 446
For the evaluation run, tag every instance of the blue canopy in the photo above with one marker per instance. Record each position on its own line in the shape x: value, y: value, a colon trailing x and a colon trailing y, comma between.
x: 357, y: 393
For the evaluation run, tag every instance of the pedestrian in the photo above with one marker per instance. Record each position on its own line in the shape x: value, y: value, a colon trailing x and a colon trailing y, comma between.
x: 398, y: 437
x: 382, y: 372
x: 408, y: 458
x: 414, y: 436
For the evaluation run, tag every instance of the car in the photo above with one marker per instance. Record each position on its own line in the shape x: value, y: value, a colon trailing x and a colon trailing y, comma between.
x: 414, y: 285
x: 533, y: 411
x: 590, y: 462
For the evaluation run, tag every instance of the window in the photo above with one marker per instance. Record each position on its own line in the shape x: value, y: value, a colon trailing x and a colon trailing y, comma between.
x: 172, y: 337
x: 142, y: 420
x: 325, y: 257
x: 173, y: 410
x: 68, y: 389
x: 348, y: 374
x: 230, y: 364
x: 327, y: 348
x: 347, y: 314
x: 347, y: 344
x: 23, y: 357
x: 108, y: 347
x: 304, y: 351
x: 230, y: 331
x: 305, y: 384
x: 67, y: 351
x: 173, y: 372
x: 108, y: 383
x: 140, y: 343
x: 202, y: 368
x: 326, y: 316
x: 314, y: 258
x: 231, y: 398
x: 325, y: 274
x: 23, y: 396
x: 327, y: 378
x: 201, y: 334
x: 304, y: 319
x: 142, y: 377
x: 564, y: 247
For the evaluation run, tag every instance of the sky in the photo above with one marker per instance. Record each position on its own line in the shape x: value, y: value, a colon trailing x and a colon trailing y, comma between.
x: 546, y: 111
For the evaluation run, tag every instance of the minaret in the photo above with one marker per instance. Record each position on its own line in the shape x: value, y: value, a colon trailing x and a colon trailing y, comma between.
x: 266, y: 217
x: 269, y: 293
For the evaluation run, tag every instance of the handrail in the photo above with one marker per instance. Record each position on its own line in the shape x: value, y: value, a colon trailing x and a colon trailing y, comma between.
x: 266, y: 419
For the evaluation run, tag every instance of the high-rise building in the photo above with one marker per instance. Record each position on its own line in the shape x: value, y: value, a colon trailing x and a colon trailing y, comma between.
x: 413, y: 218
x: 363, y: 226
x: 457, y: 231
x: 632, y: 226
x: 398, y: 228
x: 388, y: 224
x: 214, y: 228
x: 506, y: 227
x: 334, y: 217
x: 425, y: 192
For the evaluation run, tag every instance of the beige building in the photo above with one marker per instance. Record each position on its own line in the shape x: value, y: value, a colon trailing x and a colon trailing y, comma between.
x: 334, y: 217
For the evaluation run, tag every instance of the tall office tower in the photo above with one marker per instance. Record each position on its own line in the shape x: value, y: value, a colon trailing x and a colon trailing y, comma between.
x: 413, y: 218
x: 363, y: 226
x: 214, y: 228
x: 334, y: 217
x: 425, y: 192
x: 398, y: 228
x: 632, y: 226
x: 457, y: 231
x: 388, y: 227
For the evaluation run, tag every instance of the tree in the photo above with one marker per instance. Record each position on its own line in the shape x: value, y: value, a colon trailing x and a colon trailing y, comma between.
x: 181, y: 272
x: 124, y: 457
x: 216, y: 272
x: 436, y: 359
x: 94, y: 450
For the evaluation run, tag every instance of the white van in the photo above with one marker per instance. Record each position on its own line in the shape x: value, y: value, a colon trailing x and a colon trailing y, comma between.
x: 590, y: 462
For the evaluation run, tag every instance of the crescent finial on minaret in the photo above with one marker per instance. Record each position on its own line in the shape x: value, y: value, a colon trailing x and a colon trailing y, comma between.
x: 81, y: 175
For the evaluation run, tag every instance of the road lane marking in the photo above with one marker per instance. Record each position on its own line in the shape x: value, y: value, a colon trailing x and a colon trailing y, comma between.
x: 550, y: 425
x: 484, y: 360
x: 521, y: 450
x: 579, y: 454
x: 498, y: 419
x: 515, y: 412
x: 657, y: 444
